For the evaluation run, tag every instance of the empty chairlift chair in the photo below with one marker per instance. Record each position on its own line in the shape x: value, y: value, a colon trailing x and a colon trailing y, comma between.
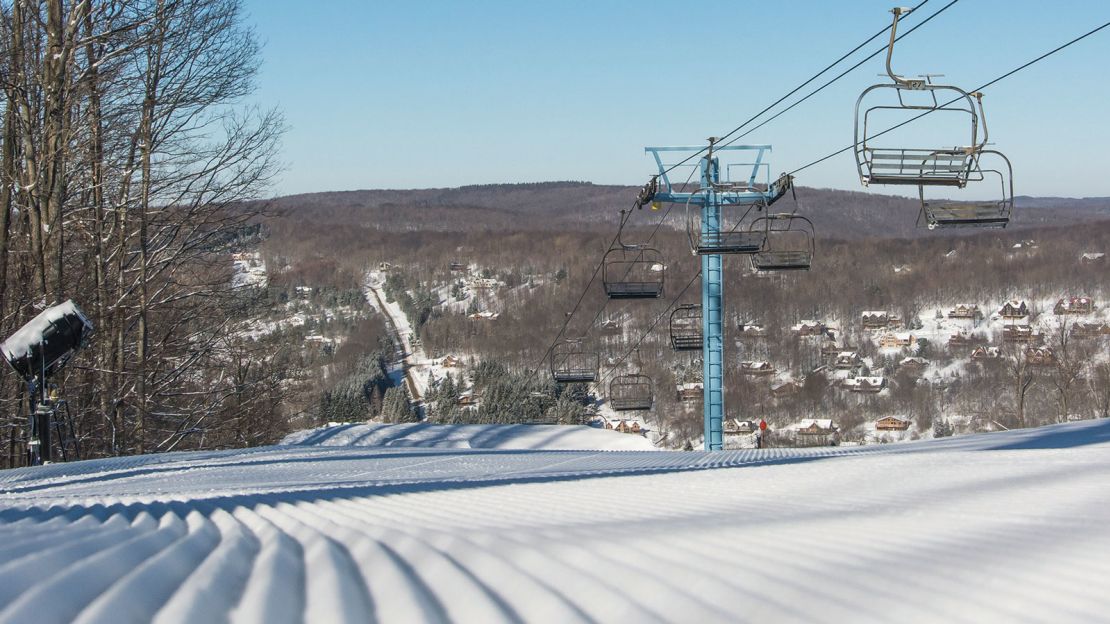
x: 790, y: 243
x: 736, y: 239
x: 931, y: 166
x: 633, y: 272
x: 633, y: 391
x: 990, y: 165
x: 571, y: 363
x: 686, y: 333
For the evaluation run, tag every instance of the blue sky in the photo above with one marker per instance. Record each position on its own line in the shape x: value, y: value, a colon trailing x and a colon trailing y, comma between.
x: 437, y: 93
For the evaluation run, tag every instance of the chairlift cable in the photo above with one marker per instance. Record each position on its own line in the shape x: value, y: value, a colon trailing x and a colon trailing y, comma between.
x: 801, y: 86
x: 841, y: 75
x: 941, y: 107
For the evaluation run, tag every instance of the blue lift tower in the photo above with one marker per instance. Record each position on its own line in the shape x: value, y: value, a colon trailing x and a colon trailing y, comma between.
x: 733, y: 176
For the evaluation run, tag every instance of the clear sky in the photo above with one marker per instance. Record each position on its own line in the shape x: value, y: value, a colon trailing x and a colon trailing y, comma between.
x: 392, y: 94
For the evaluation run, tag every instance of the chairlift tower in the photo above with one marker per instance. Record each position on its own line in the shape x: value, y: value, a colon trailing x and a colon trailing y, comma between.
x: 718, y: 190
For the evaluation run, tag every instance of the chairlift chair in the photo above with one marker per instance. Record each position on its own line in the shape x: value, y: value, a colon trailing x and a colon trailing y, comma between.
x: 790, y: 243
x: 633, y: 272
x: 631, y: 391
x: 735, y: 240
x: 571, y: 363
x: 946, y: 166
x: 979, y: 214
x: 685, y: 326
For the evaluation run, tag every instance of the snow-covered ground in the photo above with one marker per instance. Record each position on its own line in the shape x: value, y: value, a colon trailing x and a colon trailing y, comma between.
x: 997, y: 527
x: 416, y: 363
x: 424, y: 435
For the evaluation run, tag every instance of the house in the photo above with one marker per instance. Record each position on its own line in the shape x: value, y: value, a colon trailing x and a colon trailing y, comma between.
x: 913, y: 364
x: 625, y: 425
x: 875, y: 319
x: 810, y: 328
x: 1014, y: 309
x: 890, y: 341
x: 384, y: 266
x: 1040, y: 356
x: 965, y: 311
x: 484, y: 316
x: 752, y: 330
x: 817, y: 432
x: 691, y: 391
x: 846, y: 360
x: 1074, y: 305
x: 868, y: 385
x: 892, y: 423
x: 785, y: 388
x: 758, y: 369
x: 483, y: 283
x: 735, y: 426
x: 960, y: 339
x: 1019, y: 334
x: 450, y: 361
x: 1083, y: 329
x: 467, y: 398
x: 609, y: 327
x: 985, y: 353
x: 829, y: 348
x: 1092, y: 257
x: 455, y: 265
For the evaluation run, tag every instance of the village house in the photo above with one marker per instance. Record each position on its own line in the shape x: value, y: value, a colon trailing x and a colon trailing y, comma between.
x: 691, y: 391
x: 876, y: 319
x: 468, y: 399
x: 451, y: 361
x: 784, y: 389
x: 913, y: 364
x: 965, y: 311
x: 752, y: 330
x: 484, y: 316
x: 985, y: 353
x: 1074, y: 305
x: 735, y: 426
x: 846, y: 360
x: 757, y: 369
x: 483, y: 283
x: 609, y: 327
x: 1022, y: 334
x: 960, y: 339
x: 892, y: 423
x: 809, y: 328
x: 625, y: 425
x: 455, y: 265
x: 890, y: 341
x: 1040, y: 356
x: 867, y: 385
x: 1092, y: 257
x: 1014, y: 309
x: 817, y: 432
x: 1083, y: 329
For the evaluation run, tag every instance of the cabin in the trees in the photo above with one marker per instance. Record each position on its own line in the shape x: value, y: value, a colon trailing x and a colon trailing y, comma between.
x: 484, y: 316
x: 451, y: 361
x: 757, y: 369
x: 1014, y: 309
x: 752, y: 330
x: 1092, y: 258
x: 483, y: 283
x: 965, y: 311
x: 1040, y: 356
x: 817, y: 432
x: 625, y: 425
x: 735, y: 426
x: 960, y: 339
x: 892, y: 423
x: 913, y: 365
x: 609, y: 327
x: 877, y: 319
x: 890, y: 341
x: 468, y: 399
x: 846, y: 360
x: 1074, y: 305
x: 810, y: 328
x: 1020, y: 334
x: 1082, y: 329
x: 784, y: 389
x: 456, y: 266
x: 690, y: 391
x: 865, y: 385
x: 980, y: 354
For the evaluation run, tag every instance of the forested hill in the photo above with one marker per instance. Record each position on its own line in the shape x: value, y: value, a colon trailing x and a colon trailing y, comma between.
x: 558, y: 205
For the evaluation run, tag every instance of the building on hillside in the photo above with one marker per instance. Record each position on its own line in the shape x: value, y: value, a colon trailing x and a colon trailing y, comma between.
x: 451, y: 361
x: 1082, y: 329
x: 1092, y: 257
x: 817, y: 432
x: 609, y: 327
x: 784, y: 389
x: 965, y: 311
x: 483, y: 283
x: 913, y: 365
x: 960, y: 339
x: 876, y: 319
x: 1040, y: 356
x: 752, y: 330
x: 735, y: 426
x: 690, y: 391
x: 846, y: 360
x: 456, y: 266
x: 468, y: 399
x: 1020, y: 334
x: 1074, y: 305
x: 809, y: 328
x: 757, y: 369
x: 484, y: 316
x: 892, y: 423
x: 384, y: 266
x: 1014, y: 309
x: 865, y: 385
x: 980, y: 354
x: 890, y: 341
x: 625, y: 425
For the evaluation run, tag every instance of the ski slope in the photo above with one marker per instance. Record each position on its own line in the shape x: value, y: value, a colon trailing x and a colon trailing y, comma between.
x: 1006, y: 526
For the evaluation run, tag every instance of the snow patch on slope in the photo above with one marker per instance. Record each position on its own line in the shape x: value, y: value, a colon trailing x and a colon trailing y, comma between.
x: 546, y: 437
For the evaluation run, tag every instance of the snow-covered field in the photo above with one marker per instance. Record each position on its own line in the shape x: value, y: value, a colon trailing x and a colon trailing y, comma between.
x: 998, y: 527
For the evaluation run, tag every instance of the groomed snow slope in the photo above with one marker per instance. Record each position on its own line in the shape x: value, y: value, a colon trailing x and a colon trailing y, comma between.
x: 517, y: 437
x: 1007, y: 526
